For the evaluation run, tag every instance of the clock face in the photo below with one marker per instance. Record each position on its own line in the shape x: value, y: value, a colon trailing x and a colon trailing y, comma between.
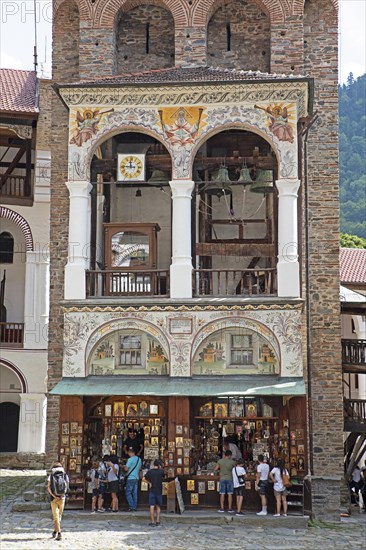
x: 131, y: 167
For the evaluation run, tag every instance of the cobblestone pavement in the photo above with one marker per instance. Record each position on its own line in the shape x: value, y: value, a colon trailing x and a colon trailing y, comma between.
x: 32, y: 531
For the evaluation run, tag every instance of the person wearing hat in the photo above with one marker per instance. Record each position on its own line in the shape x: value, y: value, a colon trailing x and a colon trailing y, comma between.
x: 133, y: 442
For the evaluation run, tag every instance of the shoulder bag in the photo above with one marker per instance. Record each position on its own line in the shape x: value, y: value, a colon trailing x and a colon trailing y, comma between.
x: 286, y: 480
x: 240, y: 477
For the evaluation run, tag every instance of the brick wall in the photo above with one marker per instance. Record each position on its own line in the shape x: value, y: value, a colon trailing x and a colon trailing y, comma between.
x: 97, y: 53
x: 44, y: 118
x: 145, y: 27
x: 249, y: 31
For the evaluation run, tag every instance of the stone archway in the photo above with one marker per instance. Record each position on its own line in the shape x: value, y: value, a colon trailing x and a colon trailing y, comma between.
x: 21, y: 222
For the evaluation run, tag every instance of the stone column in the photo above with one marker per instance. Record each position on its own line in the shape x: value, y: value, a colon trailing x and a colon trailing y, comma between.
x: 288, y: 273
x: 181, y: 267
x: 36, y: 299
x: 78, y: 239
x: 32, y: 423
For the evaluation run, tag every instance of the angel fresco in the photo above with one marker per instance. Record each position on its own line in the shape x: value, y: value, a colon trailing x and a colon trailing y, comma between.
x: 181, y: 133
x: 87, y: 125
x: 279, y: 123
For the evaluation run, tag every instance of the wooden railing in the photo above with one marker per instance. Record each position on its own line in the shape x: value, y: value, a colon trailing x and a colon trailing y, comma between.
x: 354, y: 352
x: 234, y: 282
x: 355, y: 415
x: 12, y: 334
x: 16, y: 187
x: 109, y: 282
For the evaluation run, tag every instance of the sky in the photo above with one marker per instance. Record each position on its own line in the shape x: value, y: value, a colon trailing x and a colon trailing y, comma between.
x: 17, y: 35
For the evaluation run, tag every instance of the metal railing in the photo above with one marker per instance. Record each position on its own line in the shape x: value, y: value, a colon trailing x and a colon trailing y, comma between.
x: 110, y: 282
x: 12, y: 334
x: 234, y: 282
x: 354, y: 352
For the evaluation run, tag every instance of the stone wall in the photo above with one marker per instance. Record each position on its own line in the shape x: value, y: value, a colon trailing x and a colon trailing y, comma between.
x: 247, y: 29
x: 65, y: 69
x: 326, y: 405
x: 144, y: 39
x: 23, y: 461
x: 44, y: 118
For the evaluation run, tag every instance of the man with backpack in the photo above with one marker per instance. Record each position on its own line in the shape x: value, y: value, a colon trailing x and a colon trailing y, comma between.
x: 58, y: 485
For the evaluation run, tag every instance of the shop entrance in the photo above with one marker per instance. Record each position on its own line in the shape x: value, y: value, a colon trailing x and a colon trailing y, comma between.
x: 189, y: 436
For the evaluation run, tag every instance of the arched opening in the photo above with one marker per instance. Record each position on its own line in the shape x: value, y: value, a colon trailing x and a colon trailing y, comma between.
x: 6, y: 248
x: 238, y: 37
x: 235, y: 205
x: 144, y: 39
x: 65, y: 57
x: 131, y: 217
x: 11, y: 387
x: 12, y: 286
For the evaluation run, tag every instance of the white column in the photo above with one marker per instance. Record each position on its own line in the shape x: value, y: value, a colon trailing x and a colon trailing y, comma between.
x: 78, y: 239
x: 181, y: 268
x: 288, y: 272
x: 32, y: 423
x: 36, y: 299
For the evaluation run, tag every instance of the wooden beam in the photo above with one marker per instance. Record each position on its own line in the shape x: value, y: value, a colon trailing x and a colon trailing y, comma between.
x: 18, y: 156
x: 231, y: 249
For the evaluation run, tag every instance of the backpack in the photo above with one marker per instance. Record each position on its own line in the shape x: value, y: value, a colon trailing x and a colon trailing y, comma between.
x: 59, y: 483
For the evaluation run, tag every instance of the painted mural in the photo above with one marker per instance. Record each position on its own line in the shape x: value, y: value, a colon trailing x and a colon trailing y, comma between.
x: 181, y: 348
x: 233, y: 352
x: 178, y: 120
x: 130, y: 353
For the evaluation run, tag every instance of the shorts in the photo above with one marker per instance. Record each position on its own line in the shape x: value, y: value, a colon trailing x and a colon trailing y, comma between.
x: 95, y: 493
x: 226, y: 487
x: 103, y: 488
x: 113, y: 486
x: 263, y: 487
x: 283, y: 493
x: 155, y: 500
x: 239, y: 491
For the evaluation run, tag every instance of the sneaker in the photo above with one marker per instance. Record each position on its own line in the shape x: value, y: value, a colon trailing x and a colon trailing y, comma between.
x: 230, y: 512
x: 157, y: 524
x: 276, y: 515
x: 115, y: 511
x: 239, y: 514
x: 284, y: 515
x: 54, y: 534
x: 261, y: 513
x: 101, y: 511
x: 59, y: 536
x: 93, y: 512
x: 221, y: 511
x: 152, y: 524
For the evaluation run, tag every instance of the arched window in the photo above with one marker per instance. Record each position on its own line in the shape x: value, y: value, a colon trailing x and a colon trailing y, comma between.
x: 6, y: 248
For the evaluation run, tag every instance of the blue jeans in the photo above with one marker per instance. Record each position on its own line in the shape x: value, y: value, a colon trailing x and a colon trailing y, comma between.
x: 131, y: 493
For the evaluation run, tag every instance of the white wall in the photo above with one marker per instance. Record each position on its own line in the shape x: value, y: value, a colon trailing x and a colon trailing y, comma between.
x: 10, y: 386
x: 15, y: 274
x: 32, y: 364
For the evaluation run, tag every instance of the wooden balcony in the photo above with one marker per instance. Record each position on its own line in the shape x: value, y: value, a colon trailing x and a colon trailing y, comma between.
x: 11, y: 335
x: 109, y: 282
x: 235, y: 282
x: 355, y: 415
x: 354, y: 356
x: 16, y: 190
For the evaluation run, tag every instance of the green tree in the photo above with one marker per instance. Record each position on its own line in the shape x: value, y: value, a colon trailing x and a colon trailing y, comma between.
x: 352, y: 241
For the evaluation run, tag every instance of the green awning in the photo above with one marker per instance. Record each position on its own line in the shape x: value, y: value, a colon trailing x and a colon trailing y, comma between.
x: 197, y: 386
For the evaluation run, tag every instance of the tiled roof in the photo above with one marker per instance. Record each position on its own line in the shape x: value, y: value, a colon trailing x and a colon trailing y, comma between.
x: 184, y: 74
x: 352, y: 265
x: 17, y: 91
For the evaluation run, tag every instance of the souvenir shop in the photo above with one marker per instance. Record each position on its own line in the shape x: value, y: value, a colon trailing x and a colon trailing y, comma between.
x: 187, y: 435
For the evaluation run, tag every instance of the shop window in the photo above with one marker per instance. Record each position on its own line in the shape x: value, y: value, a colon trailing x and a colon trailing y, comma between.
x: 6, y: 248
x: 130, y: 351
x: 241, y: 352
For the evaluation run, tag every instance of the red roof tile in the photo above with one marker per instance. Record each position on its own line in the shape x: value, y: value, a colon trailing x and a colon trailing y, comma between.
x: 174, y: 75
x: 352, y: 265
x: 17, y: 91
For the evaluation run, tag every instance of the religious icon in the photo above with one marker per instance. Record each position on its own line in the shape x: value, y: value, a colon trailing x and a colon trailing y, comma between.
x: 259, y: 424
x: 206, y: 409
x: 211, y: 485
x: 65, y: 440
x: 279, y: 121
x: 220, y: 410
x: 301, y: 464
x: 154, y: 409
x: 154, y: 441
x: 187, y: 443
x: 119, y: 408
x: 74, y: 427
x: 186, y: 471
x: 251, y: 410
x: 236, y: 407
x: 179, y: 441
x: 186, y: 452
x: 190, y: 485
x: 186, y: 461
x: 108, y: 410
x: 201, y: 488
x: 144, y: 486
x: 179, y: 451
x: 143, y: 408
x: 72, y: 464
x: 179, y: 429
x: 155, y: 430
x: 194, y: 498
x: 301, y: 449
x: 248, y: 485
x: 132, y: 409
x: 65, y: 428
x: 179, y: 461
x: 180, y: 132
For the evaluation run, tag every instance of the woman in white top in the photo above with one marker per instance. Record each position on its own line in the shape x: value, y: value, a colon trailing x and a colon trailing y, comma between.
x: 280, y: 490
